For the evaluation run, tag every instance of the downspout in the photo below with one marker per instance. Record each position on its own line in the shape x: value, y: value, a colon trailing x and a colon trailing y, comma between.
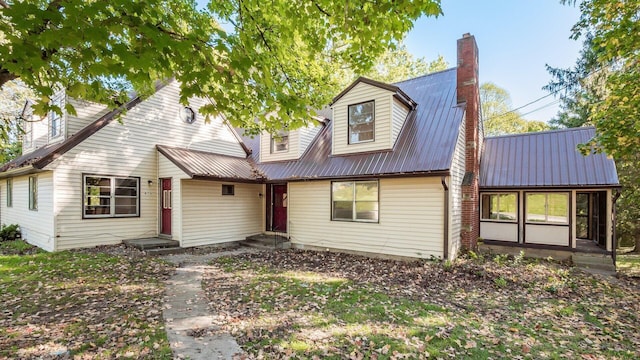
x: 614, y: 241
x: 446, y: 217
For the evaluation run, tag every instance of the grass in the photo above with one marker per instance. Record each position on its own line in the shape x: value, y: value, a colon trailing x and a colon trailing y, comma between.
x: 629, y: 265
x: 82, y: 304
x: 315, y: 305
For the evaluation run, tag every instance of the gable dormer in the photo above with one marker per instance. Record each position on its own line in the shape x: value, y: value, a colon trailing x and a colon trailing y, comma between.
x: 288, y: 145
x: 368, y: 116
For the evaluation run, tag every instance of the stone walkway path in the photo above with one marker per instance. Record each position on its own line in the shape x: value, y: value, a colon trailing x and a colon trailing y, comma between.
x: 188, y: 320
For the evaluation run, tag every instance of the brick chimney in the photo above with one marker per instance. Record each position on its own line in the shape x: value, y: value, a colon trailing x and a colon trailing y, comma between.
x: 468, y: 91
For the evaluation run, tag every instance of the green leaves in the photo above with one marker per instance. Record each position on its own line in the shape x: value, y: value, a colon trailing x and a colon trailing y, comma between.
x: 282, y: 57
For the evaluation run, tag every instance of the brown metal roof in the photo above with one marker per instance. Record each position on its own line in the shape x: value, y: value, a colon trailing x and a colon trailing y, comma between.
x: 44, y: 155
x: 205, y: 165
x: 544, y: 159
x: 425, y: 144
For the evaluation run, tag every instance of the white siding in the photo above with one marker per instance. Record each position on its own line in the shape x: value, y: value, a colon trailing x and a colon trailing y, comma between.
x: 399, y: 114
x: 455, y: 193
x: 86, y: 113
x: 166, y: 169
x: 292, y: 153
x: 211, y: 218
x: 40, y: 136
x: 36, y: 225
x: 307, y: 134
x: 411, y: 219
x: 361, y: 93
x: 128, y: 149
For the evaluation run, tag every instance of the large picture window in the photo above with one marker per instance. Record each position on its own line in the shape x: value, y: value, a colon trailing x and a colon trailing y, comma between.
x: 548, y: 208
x: 9, y: 192
x: 354, y: 201
x: 33, y: 193
x: 499, y: 207
x: 111, y: 196
x: 362, y: 122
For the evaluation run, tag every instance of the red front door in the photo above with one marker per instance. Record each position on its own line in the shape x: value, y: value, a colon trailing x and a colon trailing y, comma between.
x: 279, y: 202
x: 166, y: 207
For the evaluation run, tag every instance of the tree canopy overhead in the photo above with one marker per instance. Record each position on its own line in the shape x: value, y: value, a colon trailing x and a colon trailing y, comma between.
x: 280, y: 56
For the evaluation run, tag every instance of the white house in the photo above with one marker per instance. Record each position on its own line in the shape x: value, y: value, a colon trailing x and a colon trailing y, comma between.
x: 395, y: 169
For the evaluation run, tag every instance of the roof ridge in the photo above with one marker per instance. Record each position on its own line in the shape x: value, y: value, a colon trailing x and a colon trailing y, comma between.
x: 541, y: 132
x: 425, y: 75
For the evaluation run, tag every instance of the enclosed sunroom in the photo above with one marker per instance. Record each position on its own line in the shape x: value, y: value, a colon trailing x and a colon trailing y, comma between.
x: 538, y: 191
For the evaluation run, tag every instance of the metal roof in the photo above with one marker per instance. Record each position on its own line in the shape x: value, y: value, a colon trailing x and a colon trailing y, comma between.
x: 425, y: 145
x: 544, y: 159
x: 205, y: 165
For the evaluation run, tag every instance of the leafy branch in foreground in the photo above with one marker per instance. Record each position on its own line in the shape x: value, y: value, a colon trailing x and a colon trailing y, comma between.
x: 276, y: 59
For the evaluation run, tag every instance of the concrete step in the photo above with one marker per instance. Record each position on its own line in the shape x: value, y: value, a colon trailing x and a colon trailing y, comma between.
x: 267, y: 241
x: 593, y: 261
x: 151, y: 243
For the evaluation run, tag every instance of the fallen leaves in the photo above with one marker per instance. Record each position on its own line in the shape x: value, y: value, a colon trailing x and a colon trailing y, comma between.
x: 303, y: 304
x: 82, y: 304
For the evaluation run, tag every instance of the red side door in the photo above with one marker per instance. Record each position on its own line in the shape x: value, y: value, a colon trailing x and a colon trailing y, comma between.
x: 166, y: 201
x: 279, y: 202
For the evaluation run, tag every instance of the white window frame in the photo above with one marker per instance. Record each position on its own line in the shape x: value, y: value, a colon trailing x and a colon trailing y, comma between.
x: 498, y: 219
x: 546, y: 208
x: 282, y: 138
x: 9, y: 192
x: 112, y: 197
x: 373, y: 122
x: 354, y: 216
x: 27, y: 138
x: 33, y: 193
x: 55, y: 130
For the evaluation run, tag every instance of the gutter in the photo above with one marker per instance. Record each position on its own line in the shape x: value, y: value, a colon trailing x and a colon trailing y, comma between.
x: 445, y: 252
x: 614, y: 241
x: 24, y: 170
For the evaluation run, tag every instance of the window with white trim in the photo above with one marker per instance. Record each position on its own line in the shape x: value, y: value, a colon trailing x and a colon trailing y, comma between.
x: 280, y: 142
x: 361, y: 122
x: 499, y: 207
x: 27, y: 137
x: 111, y: 196
x: 55, y: 119
x: 9, y: 192
x: 354, y: 201
x: 548, y: 208
x: 33, y: 193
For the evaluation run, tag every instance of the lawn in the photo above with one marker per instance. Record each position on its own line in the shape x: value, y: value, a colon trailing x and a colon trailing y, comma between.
x: 295, y: 304
x: 629, y: 265
x: 80, y: 304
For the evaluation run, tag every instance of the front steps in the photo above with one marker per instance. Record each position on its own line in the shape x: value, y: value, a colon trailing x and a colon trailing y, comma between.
x: 155, y: 246
x: 267, y: 241
x: 593, y: 261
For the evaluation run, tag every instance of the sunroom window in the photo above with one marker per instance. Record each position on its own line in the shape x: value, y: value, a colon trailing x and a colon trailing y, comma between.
x: 110, y: 196
x: 362, y: 122
x: 354, y: 201
x: 499, y: 207
x: 548, y: 208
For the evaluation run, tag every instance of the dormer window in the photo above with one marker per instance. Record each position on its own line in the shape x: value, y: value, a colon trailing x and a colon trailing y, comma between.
x: 55, y: 119
x: 280, y: 142
x: 362, y: 122
x: 27, y: 138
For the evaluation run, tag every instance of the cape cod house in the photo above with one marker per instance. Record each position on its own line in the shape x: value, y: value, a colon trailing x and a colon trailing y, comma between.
x: 397, y: 169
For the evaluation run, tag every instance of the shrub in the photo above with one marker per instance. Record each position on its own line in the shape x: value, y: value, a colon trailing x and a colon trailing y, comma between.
x: 10, y: 232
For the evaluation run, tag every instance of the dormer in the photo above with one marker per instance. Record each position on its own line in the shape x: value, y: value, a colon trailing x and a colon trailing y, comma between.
x: 288, y: 145
x: 368, y: 116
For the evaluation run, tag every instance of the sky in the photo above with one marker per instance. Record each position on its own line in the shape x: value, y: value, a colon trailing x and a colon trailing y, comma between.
x: 515, y: 41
